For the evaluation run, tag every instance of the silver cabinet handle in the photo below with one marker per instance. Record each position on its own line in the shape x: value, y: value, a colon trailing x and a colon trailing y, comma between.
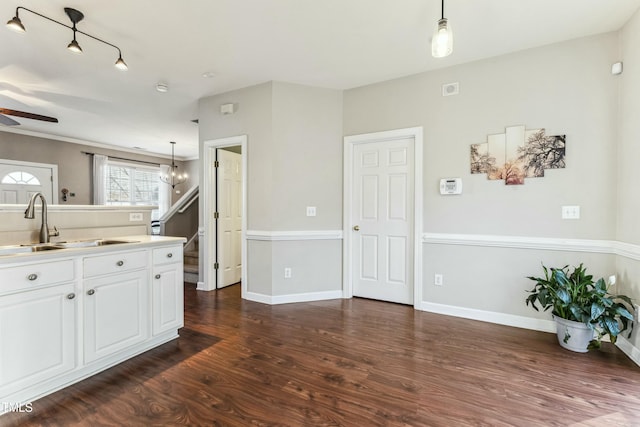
x: 91, y: 291
x: 157, y: 276
x: 169, y: 255
x: 32, y: 277
x: 120, y: 263
x: 71, y: 296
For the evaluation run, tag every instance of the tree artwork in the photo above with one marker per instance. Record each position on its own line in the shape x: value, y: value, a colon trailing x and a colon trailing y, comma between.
x: 518, y: 154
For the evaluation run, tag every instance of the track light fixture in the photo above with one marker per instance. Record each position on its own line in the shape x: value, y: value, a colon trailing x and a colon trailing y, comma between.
x: 173, y: 178
x: 442, y: 42
x: 75, y: 16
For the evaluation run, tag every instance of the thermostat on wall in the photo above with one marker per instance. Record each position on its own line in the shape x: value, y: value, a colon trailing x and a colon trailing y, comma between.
x: 451, y: 186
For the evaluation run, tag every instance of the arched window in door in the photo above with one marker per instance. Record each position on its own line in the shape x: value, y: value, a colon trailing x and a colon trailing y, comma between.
x: 20, y: 178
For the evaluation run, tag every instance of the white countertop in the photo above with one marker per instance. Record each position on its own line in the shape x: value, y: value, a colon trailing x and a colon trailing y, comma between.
x: 133, y: 242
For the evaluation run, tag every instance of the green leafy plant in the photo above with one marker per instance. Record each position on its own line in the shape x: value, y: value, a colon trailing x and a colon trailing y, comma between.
x: 573, y: 295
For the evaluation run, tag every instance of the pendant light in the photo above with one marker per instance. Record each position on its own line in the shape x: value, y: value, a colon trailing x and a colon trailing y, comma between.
x: 442, y: 42
x: 173, y: 178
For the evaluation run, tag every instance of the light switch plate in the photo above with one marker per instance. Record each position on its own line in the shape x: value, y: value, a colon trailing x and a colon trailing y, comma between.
x: 311, y: 211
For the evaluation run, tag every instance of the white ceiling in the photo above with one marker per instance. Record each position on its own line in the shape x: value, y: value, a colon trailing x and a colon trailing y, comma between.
x: 336, y: 44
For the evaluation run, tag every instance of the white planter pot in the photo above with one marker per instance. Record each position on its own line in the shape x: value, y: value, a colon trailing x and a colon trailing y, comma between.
x: 574, y: 336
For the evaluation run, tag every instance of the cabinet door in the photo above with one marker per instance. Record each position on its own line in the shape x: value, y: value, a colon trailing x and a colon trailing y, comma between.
x: 167, y: 298
x: 37, y: 336
x: 116, y: 310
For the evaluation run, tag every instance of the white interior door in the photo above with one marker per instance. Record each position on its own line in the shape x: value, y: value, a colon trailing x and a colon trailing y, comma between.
x: 19, y: 181
x: 382, y: 218
x: 229, y: 222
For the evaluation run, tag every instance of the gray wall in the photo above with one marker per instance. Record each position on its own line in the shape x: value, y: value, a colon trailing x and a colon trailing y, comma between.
x: 74, y: 168
x: 628, y: 206
x: 565, y: 88
x: 294, y: 140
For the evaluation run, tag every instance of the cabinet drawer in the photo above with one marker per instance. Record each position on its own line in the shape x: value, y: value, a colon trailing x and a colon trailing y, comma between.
x: 30, y: 276
x: 114, y: 263
x: 167, y: 255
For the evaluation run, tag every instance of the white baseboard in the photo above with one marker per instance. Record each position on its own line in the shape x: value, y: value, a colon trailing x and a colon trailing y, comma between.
x: 629, y: 349
x: 490, y: 316
x: 291, y: 298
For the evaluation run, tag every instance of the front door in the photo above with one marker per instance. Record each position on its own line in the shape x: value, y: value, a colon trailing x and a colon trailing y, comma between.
x: 229, y: 221
x: 19, y: 181
x: 382, y: 217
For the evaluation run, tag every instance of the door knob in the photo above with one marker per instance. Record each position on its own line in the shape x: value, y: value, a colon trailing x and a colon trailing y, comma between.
x: 356, y: 228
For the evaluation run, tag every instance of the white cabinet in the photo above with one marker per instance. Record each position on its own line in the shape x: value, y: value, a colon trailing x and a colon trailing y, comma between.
x: 167, y: 289
x: 37, y: 336
x: 116, y: 303
x: 74, y: 313
x: 116, y: 311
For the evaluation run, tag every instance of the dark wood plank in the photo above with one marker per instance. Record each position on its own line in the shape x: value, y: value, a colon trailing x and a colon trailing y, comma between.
x: 352, y: 363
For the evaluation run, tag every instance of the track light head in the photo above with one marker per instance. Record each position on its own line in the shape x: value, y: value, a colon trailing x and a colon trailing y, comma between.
x: 15, y: 24
x: 74, y: 46
x: 120, y: 64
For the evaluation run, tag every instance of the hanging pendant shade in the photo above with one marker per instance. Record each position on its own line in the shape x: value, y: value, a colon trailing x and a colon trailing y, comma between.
x: 442, y: 42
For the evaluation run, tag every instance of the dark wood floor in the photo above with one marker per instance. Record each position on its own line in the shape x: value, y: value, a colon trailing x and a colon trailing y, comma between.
x: 348, y: 362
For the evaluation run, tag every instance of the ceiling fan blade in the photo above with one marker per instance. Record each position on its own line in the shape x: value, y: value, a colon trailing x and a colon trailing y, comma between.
x: 7, y: 121
x: 27, y: 115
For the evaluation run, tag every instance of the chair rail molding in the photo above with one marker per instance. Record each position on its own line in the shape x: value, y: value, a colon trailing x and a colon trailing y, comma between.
x: 613, y: 247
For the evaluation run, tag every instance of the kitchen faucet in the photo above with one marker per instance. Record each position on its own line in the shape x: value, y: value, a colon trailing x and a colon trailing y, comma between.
x: 45, y: 233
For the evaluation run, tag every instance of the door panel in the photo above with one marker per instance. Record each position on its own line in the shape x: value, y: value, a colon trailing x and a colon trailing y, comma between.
x: 229, y: 223
x: 383, y: 209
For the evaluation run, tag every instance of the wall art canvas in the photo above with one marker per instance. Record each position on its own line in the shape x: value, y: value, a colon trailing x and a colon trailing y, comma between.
x: 517, y: 154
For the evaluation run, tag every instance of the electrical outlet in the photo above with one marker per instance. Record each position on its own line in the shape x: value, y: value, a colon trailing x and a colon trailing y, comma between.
x: 287, y: 273
x: 311, y: 211
x: 135, y: 216
x: 438, y: 279
x: 571, y: 212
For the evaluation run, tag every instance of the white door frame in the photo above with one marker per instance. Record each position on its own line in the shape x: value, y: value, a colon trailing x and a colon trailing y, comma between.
x: 208, y: 193
x: 347, y: 241
x: 54, y: 173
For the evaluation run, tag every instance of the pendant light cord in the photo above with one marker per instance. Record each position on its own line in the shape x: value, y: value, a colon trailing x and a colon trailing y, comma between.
x: 442, y: 9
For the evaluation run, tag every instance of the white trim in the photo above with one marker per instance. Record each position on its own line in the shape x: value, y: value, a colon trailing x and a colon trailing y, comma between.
x: 611, y: 247
x: 188, y: 197
x: 208, y: 203
x: 629, y: 349
x: 490, y: 316
x: 349, y: 142
x: 293, y: 298
x: 294, y: 235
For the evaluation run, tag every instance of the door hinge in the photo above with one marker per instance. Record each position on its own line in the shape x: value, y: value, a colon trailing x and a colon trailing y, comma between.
x: 216, y: 266
x: 216, y: 164
x: 216, y: 215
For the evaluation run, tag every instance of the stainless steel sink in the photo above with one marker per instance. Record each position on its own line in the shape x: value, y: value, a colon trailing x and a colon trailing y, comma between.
x: 24, y: 249
x: 91, y: 243
x: 40, y: 247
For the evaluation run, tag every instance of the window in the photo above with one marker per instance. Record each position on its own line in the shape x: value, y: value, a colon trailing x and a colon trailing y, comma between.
x: 128, y: 185
x: 20, y: 178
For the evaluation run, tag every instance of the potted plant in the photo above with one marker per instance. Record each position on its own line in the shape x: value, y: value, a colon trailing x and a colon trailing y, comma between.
x: 584, y: 310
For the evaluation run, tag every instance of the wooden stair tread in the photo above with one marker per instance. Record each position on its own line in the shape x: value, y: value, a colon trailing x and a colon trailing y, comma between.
x: 191, y: 268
